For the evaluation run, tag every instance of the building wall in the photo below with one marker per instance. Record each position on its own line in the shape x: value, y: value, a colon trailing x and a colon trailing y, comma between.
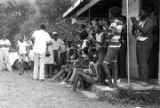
x: 134, y: 6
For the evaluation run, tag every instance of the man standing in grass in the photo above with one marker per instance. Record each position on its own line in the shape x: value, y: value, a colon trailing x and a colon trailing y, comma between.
x: 22, y: 51
x: 4, y: 52
x: 41, y: 38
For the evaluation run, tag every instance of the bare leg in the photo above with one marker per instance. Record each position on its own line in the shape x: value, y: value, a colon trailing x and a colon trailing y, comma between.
x: 68, y: 76
x: 100, y: 71
x: 59, y: 74
x: 75, y: 82
x: 107, y: 72
x: 115, y: 72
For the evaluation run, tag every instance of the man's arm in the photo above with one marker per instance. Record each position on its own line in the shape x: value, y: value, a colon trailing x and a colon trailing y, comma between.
x: 33, y: 37
x: 147, y: 26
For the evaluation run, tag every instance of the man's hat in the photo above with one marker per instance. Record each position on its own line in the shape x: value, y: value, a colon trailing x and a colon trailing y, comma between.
x: 54, y: 33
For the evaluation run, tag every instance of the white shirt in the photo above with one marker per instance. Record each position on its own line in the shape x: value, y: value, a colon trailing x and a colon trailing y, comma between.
x: 99, y: 36
x: 140, y: 38
x: 31, y: 55
x: 41, y: 38
x: 63, y: 48
x: 22, y: 47
x: 3, y: 42
x: 84, y: 44
x: 57, y: 44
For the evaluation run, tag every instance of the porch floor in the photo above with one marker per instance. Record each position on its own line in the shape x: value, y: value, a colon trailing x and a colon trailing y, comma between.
x: 138, y: 85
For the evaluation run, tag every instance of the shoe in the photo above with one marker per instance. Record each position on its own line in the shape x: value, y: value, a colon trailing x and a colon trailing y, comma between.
x: 10, y: 70
x: 68, y: 85
x: 35, y: 78
x: 41, y: 79
x: 63, y: 83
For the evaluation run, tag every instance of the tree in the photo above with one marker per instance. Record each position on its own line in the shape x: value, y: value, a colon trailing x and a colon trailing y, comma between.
x: 52, y: 10
x: 12, y: 15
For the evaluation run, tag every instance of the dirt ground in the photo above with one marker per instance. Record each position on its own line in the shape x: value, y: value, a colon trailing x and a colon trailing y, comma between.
x: 23, y: 92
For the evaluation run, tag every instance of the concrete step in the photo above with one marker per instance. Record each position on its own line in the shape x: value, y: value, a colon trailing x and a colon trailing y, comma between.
x: 89, y: 94
x: 101, y: 91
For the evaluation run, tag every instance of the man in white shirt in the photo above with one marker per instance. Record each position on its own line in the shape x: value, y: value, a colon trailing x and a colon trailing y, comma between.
x: 22, y: 51
x: 4, y: 52
x: 41, y: 39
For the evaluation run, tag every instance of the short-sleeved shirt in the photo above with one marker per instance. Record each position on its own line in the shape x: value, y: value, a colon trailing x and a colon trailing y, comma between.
x: 57, y: 44
x: 3, y: 42
x: 41, y: 38
x: 22, y: 47
x: 117, y: 25
x: 147, y: 25
x: 63, y: 48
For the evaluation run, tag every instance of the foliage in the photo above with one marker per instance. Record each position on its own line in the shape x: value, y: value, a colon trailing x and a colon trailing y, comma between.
x: 144, y: 97
x: 19, y: 18
x: 52, y: 10
x: 12, y: 15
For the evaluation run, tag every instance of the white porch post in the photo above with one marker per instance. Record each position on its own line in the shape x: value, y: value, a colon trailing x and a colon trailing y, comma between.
x: 128, y: 64
x: 159, y: 44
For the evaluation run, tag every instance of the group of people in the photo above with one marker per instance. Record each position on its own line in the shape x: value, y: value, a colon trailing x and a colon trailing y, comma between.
x: 95, y: 57
x: 81, y: 63
x: 100, y: 53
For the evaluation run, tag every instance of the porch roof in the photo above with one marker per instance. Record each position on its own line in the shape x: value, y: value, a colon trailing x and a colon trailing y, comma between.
x: 76, y: 6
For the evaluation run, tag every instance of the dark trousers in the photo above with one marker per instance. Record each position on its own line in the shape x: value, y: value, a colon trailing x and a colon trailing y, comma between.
x: 48, y: 70
x: 122, y: 60
x: 153, y: 61
x: 63, y: 58
x: 56, y: 59
x: 143, y: 49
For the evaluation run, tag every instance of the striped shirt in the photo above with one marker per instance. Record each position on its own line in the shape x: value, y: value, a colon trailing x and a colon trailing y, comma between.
x: 117, y: 26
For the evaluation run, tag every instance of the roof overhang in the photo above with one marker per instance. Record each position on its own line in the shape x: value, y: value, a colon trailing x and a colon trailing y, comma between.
x: 87, y: 6
x: 76, y: 6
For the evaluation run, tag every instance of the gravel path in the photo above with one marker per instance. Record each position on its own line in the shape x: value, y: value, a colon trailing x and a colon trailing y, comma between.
x: 23, y: 92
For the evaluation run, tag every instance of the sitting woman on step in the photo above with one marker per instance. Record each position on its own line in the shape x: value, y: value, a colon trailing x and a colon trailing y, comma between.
x: 87, y: 77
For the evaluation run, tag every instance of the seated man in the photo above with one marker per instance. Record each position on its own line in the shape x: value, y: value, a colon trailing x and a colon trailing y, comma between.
x: 69, y: 64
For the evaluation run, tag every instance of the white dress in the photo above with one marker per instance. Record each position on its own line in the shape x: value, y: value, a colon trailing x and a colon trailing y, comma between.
x: 50, y: 59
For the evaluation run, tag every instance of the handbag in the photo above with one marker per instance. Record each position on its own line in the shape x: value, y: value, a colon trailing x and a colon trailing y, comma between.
x: 47, y: 52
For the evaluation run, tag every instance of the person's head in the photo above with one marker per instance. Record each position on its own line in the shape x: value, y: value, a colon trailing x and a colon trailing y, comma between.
x: 99, y: 28
x: 114, y: 12
x: 69, y: 43
x: 55, y: 35
x: 90, y: 29
x: 124, y: 19
x: 144, y: 13
x: 21, y: 38
x: 83, y: 35
x: 94, y: 22
x: 95, y: 58
x: 4, y: 37
x: 82, y: 26
x: 65, y: 40
x: 43, y: 27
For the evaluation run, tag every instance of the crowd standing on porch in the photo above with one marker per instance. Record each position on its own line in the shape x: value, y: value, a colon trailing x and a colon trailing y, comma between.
x: 98, y: 57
